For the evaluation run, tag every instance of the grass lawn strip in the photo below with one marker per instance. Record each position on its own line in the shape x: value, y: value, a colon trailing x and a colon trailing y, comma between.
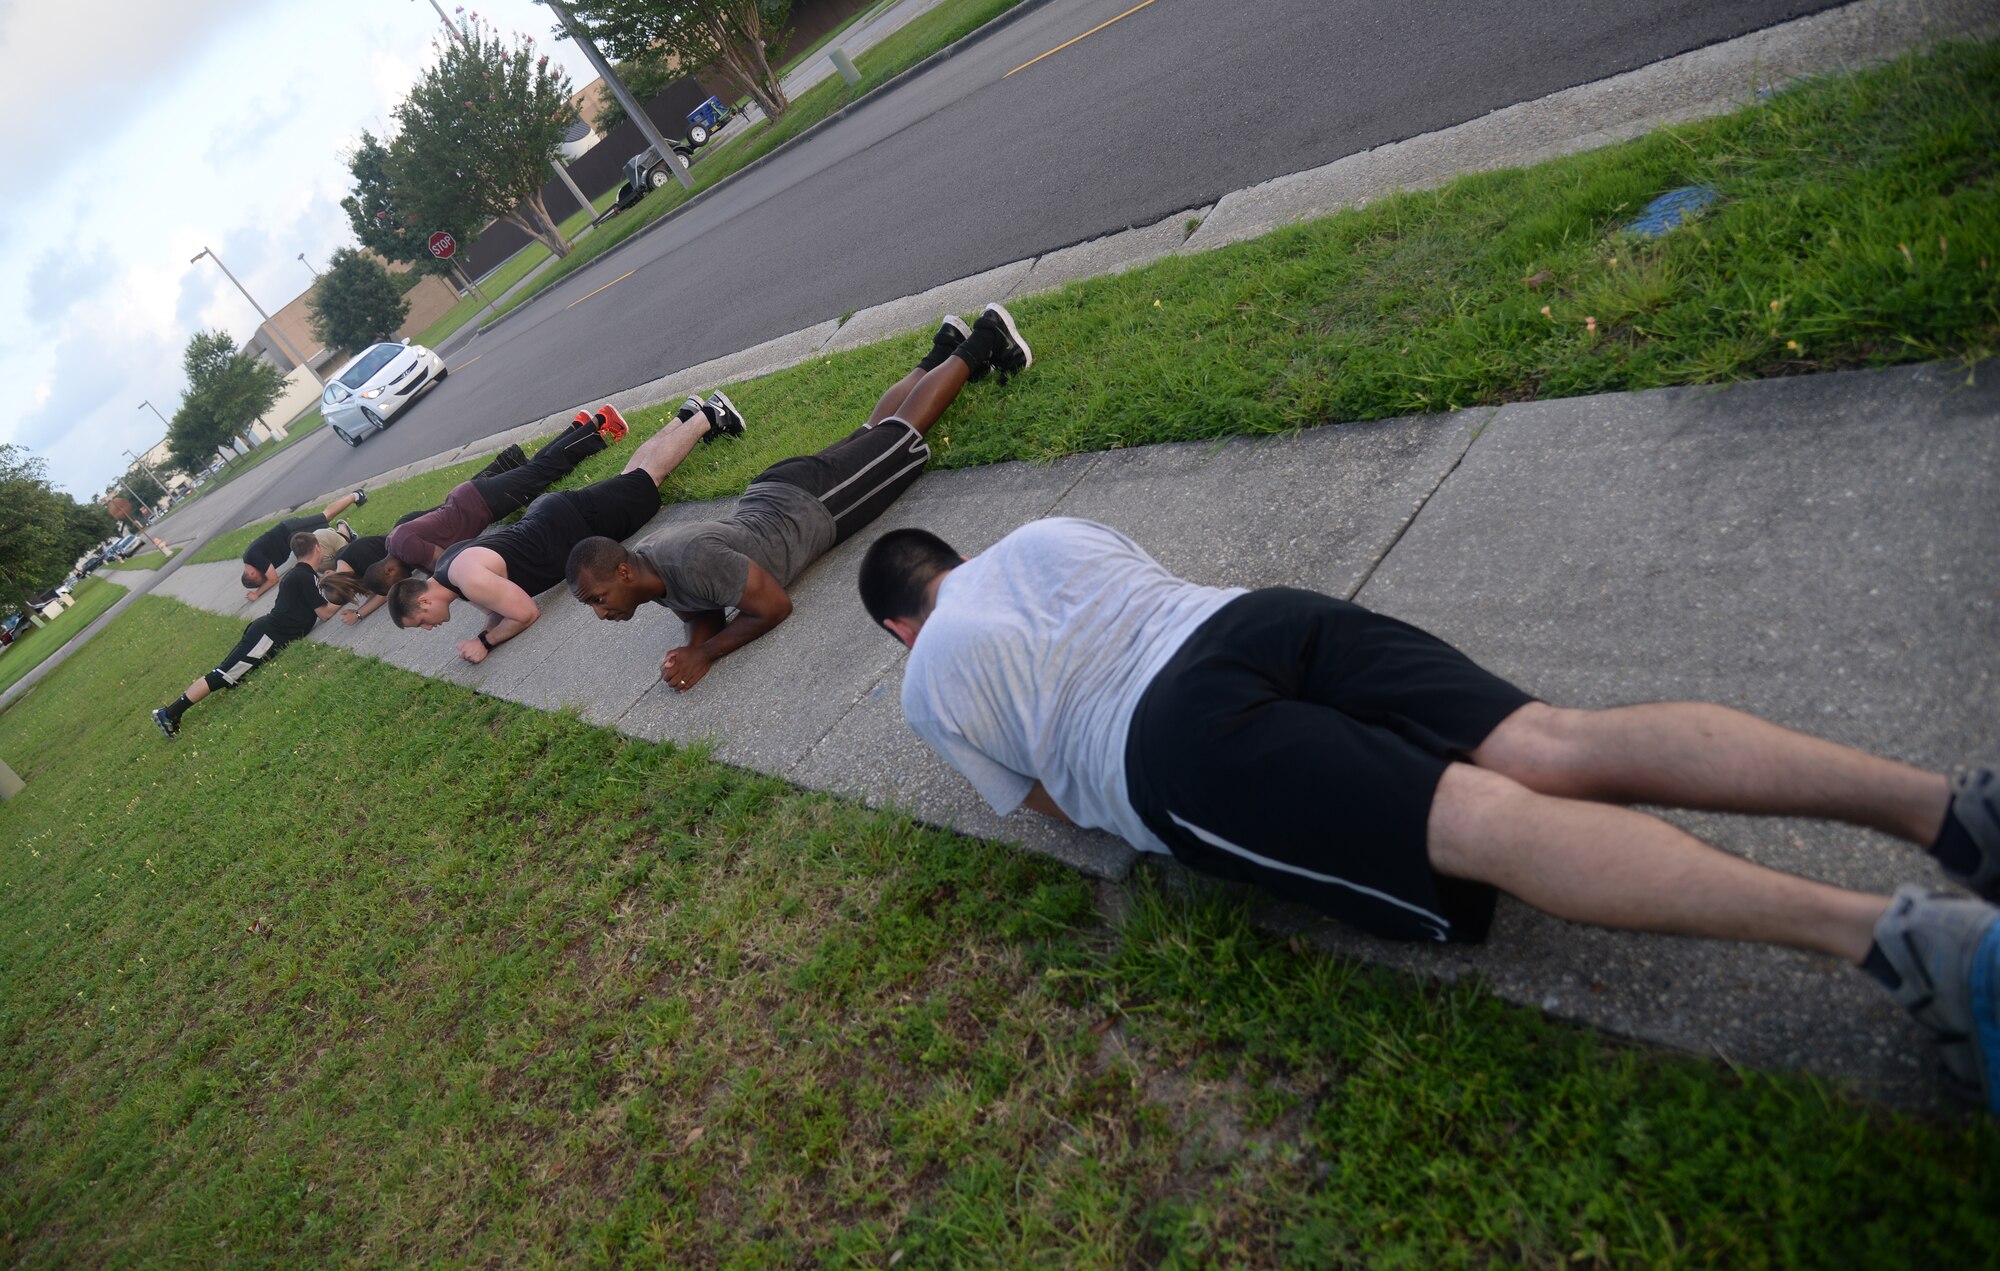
x: 1858, y: 225
x: 36, y: 645
x: 496, y: 986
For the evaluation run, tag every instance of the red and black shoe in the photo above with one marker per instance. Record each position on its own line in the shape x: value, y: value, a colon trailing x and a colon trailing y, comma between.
x: 610, y: 423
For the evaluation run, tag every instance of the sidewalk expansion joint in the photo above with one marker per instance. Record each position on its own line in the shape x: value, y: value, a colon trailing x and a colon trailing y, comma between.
x: 1472, y: 439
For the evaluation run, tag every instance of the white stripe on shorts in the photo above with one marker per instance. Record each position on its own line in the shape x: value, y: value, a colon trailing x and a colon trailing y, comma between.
x: 258, y: 652
x: 1216, y: 840
x: 918, y: 449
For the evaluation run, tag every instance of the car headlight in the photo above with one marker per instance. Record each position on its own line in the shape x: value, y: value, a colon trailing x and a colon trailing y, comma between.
x: 371, y: 393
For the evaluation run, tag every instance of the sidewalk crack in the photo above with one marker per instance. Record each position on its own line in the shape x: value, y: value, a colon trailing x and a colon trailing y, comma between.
x: 1409, y: 521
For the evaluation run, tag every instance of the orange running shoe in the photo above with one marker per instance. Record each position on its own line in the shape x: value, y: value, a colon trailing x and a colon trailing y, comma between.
x: 584, y: 419
x: 611, y: 423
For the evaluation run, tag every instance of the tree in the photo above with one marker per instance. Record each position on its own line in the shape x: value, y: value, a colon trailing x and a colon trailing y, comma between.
x: 226, y: 390
x: 692, y: 34
x: 42, y: 530
x: 355, y: 303
x: 397, y: 222
x: 479, y: 133
x: 141, y: 483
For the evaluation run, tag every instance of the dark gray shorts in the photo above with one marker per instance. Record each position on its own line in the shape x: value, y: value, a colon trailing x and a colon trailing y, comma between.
x: 858, y: 476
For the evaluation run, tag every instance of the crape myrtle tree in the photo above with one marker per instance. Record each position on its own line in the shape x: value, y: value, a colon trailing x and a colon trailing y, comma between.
x: 689, y: 35
x: 478, y: 133
x: 226, y: 390
x: 397, y: 222
x: 355, y: 303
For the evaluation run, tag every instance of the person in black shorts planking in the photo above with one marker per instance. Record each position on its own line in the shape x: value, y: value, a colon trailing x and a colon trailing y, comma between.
x: 1355, y: 763
x: 791, y: 514
x: 297, y: 610
x: 269, y: 550
x: 503, y: 570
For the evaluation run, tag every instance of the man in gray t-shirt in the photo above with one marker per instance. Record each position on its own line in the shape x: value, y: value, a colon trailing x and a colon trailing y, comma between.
x: 793, y: 512
x: 1345, y: 760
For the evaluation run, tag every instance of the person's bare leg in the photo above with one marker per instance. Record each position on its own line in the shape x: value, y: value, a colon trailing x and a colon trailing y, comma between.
x: 926, y: 401
x: 892, y: 400
x: 1611, y: 866
x: 196, y: 691
x: 662, y: 452
x: 1698, y: 755
x: 338, y: 506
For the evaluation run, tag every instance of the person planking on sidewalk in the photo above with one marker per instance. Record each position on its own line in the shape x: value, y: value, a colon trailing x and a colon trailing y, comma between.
x: 1360, y: 765
x: 421, y: 537
x: 341, y: 583
x: 502, y: 571
x: 297, y: 610
x: 791, y: 514
x: 270, y: 549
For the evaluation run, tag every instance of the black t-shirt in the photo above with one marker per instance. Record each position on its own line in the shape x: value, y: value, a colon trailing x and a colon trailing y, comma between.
x: 535, y: 548
x: 273, y: 547
x: 298, y: 603
x: 363, y: 552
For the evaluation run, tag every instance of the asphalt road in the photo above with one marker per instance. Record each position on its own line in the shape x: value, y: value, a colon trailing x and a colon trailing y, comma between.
x: 967, y: 167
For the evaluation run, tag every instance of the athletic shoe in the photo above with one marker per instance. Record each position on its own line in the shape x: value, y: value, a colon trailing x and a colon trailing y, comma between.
x: 950, y: 334
x: 1013, y: 355
x: 1945, y: 952
x: 360, y: 497
x: 166, y: 722
x: 611, y: 424
x: 724, y: 420
x: 584, y: 419
x: 1975, y: 805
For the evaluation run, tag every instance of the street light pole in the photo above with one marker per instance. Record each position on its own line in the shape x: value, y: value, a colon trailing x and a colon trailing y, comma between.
x: 275, y: 333
x: 633, y: 111
x: 309, y: 265
x: 148, y: 467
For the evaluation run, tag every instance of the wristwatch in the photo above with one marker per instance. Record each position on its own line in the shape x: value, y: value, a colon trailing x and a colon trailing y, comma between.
x: 484, y: 643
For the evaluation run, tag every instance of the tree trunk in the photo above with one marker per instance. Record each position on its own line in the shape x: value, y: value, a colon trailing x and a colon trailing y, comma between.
x: 533, y: 217
x: 742, y: 51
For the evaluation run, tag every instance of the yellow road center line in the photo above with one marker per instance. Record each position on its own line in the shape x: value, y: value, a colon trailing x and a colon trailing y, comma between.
x: 628, y: 273
x: 1086, y: 35
x: 468, y: 362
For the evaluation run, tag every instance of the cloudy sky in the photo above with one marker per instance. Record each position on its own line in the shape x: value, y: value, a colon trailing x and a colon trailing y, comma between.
x: 136, y: 132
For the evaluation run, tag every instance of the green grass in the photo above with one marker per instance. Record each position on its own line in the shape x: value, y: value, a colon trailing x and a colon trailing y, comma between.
x: 1859, y: 225
x: 151, y: 558
x: 946, y: 24
x: 511, y: 271
x: 36, y: 644
x: 369, y: 969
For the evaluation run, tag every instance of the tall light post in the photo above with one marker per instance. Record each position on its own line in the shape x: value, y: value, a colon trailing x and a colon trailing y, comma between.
x: 276, y: 334
x: 633, y: 111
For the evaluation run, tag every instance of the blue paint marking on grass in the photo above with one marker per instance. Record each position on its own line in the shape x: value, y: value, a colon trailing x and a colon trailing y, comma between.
x: 1671, y: 210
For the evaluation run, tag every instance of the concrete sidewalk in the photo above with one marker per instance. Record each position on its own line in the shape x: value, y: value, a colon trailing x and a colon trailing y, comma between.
x: 1818, y: 551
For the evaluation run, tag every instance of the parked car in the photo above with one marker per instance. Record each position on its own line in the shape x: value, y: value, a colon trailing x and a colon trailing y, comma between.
x: 124, y: 547
x: 647, y: 170
x: 375, y: 386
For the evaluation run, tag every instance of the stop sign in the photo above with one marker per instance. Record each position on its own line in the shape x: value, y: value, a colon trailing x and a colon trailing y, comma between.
x: 443, y: 245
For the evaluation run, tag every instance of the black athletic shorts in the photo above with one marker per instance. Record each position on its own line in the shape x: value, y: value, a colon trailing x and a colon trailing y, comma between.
x: 1295, y: 741
x: 536, y: 547
x: 858, y: 476
x: 253, y: 650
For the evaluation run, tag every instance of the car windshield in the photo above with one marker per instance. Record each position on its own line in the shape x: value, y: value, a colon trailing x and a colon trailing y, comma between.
x: 368, y: 363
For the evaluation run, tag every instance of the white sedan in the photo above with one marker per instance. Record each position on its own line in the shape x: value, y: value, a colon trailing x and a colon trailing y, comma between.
x: 363, y: 396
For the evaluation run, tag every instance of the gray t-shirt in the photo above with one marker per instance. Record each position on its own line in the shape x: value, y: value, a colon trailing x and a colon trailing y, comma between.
x: 1034, y: 659
x: 706, y: 564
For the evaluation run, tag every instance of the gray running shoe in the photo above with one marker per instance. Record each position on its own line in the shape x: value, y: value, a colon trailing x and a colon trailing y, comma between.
x: 1945, y: 950
x: 724, y: 419
x: 166, y: 722
x: 1975, y: 804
